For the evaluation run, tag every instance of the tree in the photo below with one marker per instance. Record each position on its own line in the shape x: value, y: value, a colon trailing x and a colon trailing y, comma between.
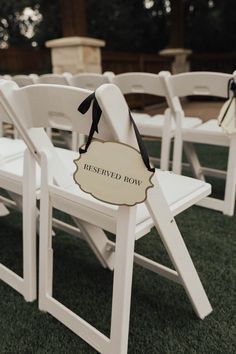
x: 210, y: 25
x: 128, y: 26
x: 13, y: 23
x: 134, y: 25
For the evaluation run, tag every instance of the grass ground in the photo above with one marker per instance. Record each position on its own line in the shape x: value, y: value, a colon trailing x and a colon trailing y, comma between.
x: 162, y: 319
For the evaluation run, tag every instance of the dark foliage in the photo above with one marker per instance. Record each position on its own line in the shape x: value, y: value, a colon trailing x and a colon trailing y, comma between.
x: 129, y: 25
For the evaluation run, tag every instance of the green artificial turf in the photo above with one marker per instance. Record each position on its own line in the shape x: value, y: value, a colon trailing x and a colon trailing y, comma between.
x: 162, y: 320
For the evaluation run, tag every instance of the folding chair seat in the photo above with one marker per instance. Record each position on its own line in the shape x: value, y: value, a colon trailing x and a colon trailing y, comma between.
x: 160, y: 126
x: 204, y: 84
x: 176, y: 191
x: 11, y: 148
x: 170, y: 195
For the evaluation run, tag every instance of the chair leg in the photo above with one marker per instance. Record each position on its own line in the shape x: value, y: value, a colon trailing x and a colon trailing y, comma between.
x: 3, y: 210
x: 98, y: 242
x: 29, y: 227
x: 122, y: 283
x: 165, y: 153
x: 178, y: 152
x: 49, y: 132
x: 16, y: 133
x: 81, y: 140
x: 77, y: 141
x: 45, y: 243
x: 230, y: 186
x: 178, y: 253
x: 166, y: 143
x: 74, y: 141
x: 193, y: 160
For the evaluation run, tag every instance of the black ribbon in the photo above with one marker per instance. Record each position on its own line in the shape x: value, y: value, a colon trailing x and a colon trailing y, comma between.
x: 96, y: 115
x: 232, y: 88
x: 141, y: 146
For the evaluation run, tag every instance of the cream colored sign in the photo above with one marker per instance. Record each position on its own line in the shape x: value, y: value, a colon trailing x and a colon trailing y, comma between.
x: 113, y: 173
x: 229, y: 121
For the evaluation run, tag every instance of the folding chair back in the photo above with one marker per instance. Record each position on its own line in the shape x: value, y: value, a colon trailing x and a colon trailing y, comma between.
x: 24, y: 80
x: 88, y: 81
x: 75, y: 140
x: 6, y: 77
x: 193, y: 84
x: 137, y: 82
x: 55, y: 79
x: 199, y: 83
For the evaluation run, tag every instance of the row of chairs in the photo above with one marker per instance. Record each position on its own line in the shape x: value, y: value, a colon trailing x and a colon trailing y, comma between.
x: 186, y: 131
x: 31, y: 109
x: 89, y: 81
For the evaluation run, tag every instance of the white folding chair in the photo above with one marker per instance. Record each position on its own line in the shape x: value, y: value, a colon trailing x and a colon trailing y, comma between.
x: 170, y: 195
x: 20, y: 176
x: 24, y: 80
x: 158, y: 126
x: 203, y: 84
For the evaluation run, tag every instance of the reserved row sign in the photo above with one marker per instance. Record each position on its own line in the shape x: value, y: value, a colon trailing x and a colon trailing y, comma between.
x: 113, y: 173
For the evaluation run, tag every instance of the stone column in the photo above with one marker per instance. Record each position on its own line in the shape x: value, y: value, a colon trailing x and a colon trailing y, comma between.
x: 76, y: 54
x: 180, y: 63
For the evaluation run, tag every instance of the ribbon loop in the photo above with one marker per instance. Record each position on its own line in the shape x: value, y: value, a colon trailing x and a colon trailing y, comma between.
x: 84, y: 106
x: 231, y: 87
x: 96, y: 115
x: 141, y: 145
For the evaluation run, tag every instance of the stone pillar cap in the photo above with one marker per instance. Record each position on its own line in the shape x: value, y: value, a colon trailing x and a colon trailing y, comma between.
x: 75, y: 41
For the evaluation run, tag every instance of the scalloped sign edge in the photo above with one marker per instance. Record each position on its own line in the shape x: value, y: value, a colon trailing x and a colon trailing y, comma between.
x: 100, y: 179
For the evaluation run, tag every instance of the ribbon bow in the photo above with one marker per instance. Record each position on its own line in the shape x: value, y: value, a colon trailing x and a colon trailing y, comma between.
x: 96, y: 115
